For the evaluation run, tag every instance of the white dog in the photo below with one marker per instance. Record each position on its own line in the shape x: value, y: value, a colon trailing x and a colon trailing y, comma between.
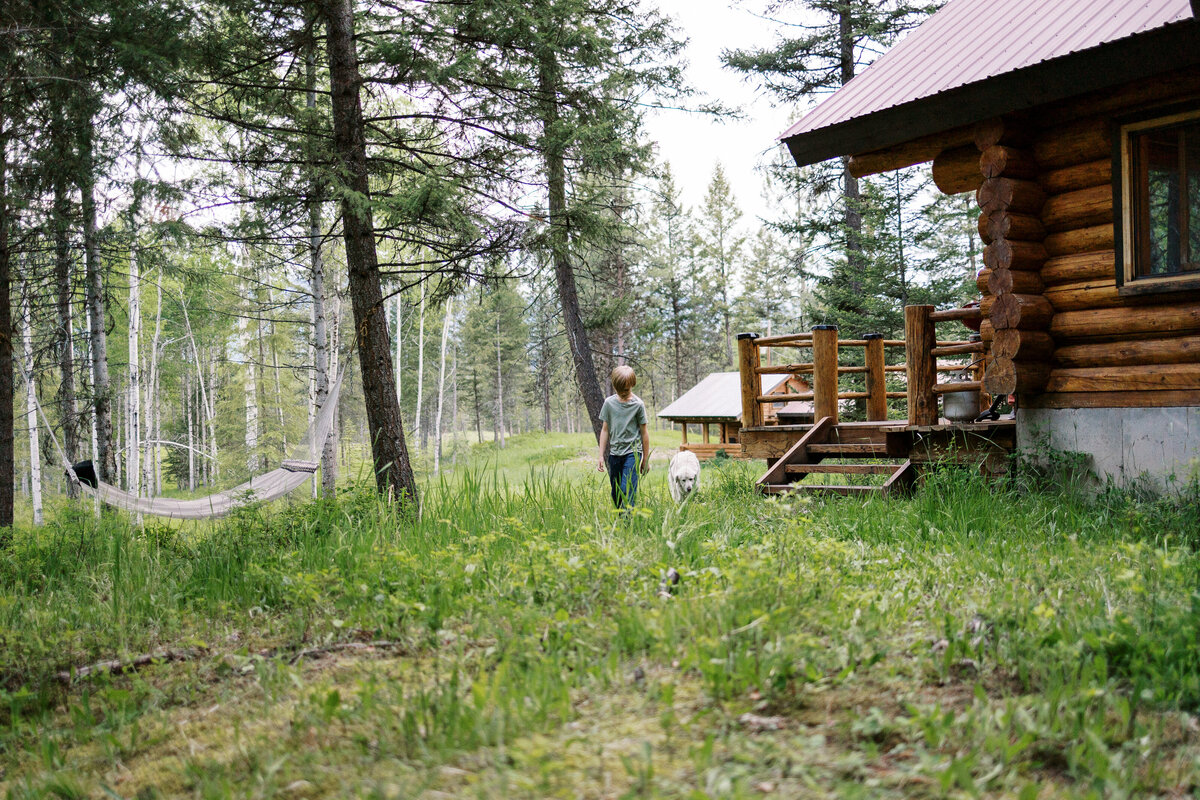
x: 683, y: 477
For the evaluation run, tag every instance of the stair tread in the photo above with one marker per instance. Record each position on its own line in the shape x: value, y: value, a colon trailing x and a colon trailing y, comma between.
x: 857, y: 448
x: 842, y: 469
x: 780, y: 488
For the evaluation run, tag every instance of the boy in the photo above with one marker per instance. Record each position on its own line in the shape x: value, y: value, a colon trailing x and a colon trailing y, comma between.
x: 624, y: 418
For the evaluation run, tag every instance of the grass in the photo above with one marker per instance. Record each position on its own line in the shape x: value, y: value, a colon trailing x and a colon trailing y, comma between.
x: 973, y: 641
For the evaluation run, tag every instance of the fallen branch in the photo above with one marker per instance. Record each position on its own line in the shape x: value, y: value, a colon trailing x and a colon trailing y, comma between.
x: 117, y: 666
x: 120, y: 667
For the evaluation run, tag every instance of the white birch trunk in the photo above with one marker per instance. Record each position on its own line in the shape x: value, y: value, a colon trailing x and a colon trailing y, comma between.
x: 399, y: 349
x: 205, y: 408
x: 251, y: 395
x: 31, y: 418
x: 134, y: 397
x: 499, y: 386
x: 151, y: 405
x: 420, y: 369
x: 188, y: 411
x: 437, y: 447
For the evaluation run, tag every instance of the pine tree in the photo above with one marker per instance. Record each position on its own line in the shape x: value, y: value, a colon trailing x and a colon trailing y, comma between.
x: 721, y: 251
x: 847, y: 36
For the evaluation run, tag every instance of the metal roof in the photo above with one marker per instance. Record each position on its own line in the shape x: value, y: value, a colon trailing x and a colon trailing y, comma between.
x: 717, y: 397
x: 972, y: 42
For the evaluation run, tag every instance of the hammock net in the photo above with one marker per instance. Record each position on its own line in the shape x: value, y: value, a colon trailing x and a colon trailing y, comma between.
x: 278, y: 482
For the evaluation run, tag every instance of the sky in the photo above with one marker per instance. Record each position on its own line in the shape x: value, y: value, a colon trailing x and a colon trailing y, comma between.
x: 694, y: 143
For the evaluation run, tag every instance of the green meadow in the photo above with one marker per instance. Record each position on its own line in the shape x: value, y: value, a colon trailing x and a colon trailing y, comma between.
x: 1007, y: 640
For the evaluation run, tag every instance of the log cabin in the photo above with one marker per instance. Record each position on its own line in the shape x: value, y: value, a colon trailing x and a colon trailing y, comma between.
x: 1077, y: 129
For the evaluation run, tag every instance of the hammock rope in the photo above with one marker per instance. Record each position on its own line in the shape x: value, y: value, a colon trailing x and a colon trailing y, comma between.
x: 290, y: 474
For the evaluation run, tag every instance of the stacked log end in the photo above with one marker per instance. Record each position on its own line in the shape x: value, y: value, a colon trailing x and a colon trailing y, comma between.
x: 1012, y: 225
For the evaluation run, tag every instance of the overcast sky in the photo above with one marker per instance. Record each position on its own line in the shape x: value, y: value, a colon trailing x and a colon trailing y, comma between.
x: 694, y: 143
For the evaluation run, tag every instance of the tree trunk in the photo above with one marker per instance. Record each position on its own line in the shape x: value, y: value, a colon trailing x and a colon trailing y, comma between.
x: 437, y: 428
x: 553, y: 151
x: 499, y: 386
x: 133, y: 415
x: 393, y: 472
x: 150, y: 453
x: 850, y: 192
x: 211, y: 468
x: 328, y: 449
x: 399, y: 349
x: 454, y: 417
x: 544, y: 380
x: 188, y: 408
x: 7, y: 474
x: 475, y: 397
x: 249, y: 386
x: 106, y: 462
x: 31, y: 418
x: 66, y: 350
x: 419, y: 432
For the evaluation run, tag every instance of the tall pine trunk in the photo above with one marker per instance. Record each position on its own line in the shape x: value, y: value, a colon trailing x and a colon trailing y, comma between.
x: 850, y: 191
x: 393, y: 472
x: 554, y: 154
x: 7, y: 475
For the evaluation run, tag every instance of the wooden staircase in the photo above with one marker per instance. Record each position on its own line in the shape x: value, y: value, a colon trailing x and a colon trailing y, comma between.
x: 829, y: 440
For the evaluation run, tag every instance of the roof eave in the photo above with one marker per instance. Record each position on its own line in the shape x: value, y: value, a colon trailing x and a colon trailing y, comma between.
x: 1155, y: 52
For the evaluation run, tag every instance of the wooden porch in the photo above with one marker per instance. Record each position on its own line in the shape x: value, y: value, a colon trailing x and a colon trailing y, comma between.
x: 903, y: 434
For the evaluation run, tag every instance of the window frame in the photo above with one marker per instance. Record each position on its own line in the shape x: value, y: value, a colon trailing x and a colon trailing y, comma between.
x: 1124, y: 183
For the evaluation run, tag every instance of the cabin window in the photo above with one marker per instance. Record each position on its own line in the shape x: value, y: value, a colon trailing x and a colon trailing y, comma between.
x: 1160, y: 204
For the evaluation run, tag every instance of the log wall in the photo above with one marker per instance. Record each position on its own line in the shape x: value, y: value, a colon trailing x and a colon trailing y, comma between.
x: 1109, y: 350
x: 1058, y: 330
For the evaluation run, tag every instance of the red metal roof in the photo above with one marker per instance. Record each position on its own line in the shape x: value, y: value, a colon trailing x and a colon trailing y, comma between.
x: 970, y: 41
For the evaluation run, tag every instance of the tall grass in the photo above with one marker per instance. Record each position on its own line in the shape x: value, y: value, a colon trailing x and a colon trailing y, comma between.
x: 518, y: 587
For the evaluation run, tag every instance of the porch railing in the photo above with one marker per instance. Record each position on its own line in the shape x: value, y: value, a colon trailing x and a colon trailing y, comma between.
x: 823, y: 366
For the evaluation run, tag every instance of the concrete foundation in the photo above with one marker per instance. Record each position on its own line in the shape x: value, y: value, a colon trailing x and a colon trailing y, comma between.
x: 1146, y: 447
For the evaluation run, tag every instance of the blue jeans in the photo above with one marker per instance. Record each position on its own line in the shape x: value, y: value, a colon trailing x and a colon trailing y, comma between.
x: 623, y: 477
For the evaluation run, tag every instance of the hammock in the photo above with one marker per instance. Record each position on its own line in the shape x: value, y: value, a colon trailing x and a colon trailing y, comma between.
x: 290, y: 474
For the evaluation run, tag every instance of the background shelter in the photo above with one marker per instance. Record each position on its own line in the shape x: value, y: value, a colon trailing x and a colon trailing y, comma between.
x: 717, y: 400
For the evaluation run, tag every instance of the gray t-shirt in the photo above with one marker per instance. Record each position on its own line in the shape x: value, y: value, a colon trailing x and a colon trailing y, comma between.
x: 623, y: 421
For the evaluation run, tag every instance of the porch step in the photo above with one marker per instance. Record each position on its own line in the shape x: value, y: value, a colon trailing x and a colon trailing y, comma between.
x: 801, y: 488
x: 835, y: 450
x: 841, y: 469
x: 805, y: 457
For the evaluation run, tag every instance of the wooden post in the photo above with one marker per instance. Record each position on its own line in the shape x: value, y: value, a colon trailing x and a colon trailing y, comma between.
x: 876, y: 385
x: 977, y: 372
x: 684, y: 425
x: 825, y: 372
x: 748, y: 362
x: 704, y: 431
x: 919, y: 341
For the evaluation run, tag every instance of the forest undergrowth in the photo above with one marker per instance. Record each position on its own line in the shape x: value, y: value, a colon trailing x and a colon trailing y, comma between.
x: 519, y: 640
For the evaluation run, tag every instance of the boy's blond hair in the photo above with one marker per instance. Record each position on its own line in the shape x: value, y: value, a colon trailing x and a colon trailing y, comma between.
x: 623, y: 379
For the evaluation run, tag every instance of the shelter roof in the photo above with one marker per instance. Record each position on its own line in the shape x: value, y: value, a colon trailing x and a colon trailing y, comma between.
x: 978, y: 59
x: 718, y: 397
